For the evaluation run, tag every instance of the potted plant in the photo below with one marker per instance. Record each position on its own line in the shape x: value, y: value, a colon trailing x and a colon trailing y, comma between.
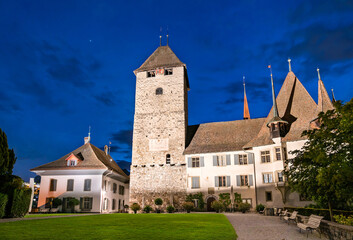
x: 135, y: 207
x: 170, y: 209
x: 260, y: 208
x: 147, y: 209
x: 158, y: 202
x: 244, y: 207
x: 188, y: 206
x: 218, y: 206
x: 72, y: 203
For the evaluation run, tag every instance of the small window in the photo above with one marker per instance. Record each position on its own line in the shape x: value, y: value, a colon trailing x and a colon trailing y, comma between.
x: 243, y: 159
x: 221, y: 161
x: 247, y: 200
x: 114, y: 187
x: 121, y: 190
x: 195, y: 182
x: 119, y: 206
x: 105, y: 204
x: 222, y: 181
x: 105, y: 185
x: 195, y: 161
x: 265, y: 156
x: 53, y: 185
x: 70, y: 185
x: 159, y: 91
x: 278, y: 154
x: 167, y: 159
x: 267, y: 177
x: 87, y: 203
x: 268, y: 196
x: 87, y: 186
x: 113, y: 204
x: 72, y: 163
x: 244, y: 180
x: 280, y: 176
x: 168, y: 71
x: 151, y: 73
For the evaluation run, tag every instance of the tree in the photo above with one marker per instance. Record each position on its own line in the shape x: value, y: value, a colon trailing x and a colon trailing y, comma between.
x: 322, y: 170
x: 135, y: 207
x: 7, y: 156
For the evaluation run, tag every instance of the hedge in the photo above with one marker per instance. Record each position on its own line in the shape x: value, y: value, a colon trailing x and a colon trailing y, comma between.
x: 20, y: 202
x: 3, y: 201
x: 321, y: 212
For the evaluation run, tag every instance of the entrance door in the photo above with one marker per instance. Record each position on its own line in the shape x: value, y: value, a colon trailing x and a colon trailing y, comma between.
x: 209, y: 201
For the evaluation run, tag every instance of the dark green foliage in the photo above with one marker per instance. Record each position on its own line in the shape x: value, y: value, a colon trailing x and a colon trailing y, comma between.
x: 218, y: 206
x: 244, y: 207
x: 237, y: 197
x: 188, y: 206
x: 3, y: 201
x: 56, y: 202
x: 135, y: 207
x: 322, y: 170
x: 170, y: 209
x: 260, y: 207
x: 320, y: 212
x: 158, y: 201
x: 7, y: 156
x: 147, y: 209
x: 20, y: 202
x: 224, y: 198
x: 199, y: 197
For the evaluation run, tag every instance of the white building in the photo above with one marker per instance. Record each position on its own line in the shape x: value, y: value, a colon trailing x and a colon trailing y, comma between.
x: 87, y: 174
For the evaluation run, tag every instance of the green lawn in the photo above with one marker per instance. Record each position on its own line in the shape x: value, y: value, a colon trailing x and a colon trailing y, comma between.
x: 123, y: 226
x: 47, y: 215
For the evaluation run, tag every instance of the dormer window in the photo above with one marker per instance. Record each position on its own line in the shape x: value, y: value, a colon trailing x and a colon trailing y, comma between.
x: 73, y: 159
x: 151, y: 73
x: 159, y: 91
x: 168, y: 71
x: 72, y: 163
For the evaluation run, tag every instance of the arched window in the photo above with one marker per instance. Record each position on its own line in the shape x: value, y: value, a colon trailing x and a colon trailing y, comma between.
x: 167, y: 159
x: 159, y: 91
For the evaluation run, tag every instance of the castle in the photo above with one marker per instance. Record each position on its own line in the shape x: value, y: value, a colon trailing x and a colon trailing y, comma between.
x: 171, y: 159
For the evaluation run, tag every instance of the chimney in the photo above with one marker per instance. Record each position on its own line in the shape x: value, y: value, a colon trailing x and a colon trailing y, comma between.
x: 106, y: 149
x: 87, y: 139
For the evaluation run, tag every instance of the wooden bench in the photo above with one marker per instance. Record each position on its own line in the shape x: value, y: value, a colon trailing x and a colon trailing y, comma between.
x: 293, y: 217
x: 312, y: 224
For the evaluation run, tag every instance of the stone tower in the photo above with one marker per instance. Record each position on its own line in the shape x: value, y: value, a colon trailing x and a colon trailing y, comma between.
x: 160, y: 123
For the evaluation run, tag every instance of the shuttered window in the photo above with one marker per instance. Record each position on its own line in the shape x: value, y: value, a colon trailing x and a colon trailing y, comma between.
x: 113, y: 204
x: 244, y: 180
x: 243, y: 159
x: 267, y: 177
x: 222, y: 181
x: 70, y: 185
x: 195, y: 162
x: 280, y: 176
x: 87, y: 185
x: 221, y: 160
x: 52, y: 187
x: 121, y: 190
x: 195, y: 182
x: 115, y: 187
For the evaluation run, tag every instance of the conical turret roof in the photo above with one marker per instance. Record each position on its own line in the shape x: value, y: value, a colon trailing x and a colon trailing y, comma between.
x: 324, y: 101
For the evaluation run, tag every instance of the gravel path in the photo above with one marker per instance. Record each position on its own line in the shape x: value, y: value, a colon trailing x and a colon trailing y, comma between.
x: 251, y: 226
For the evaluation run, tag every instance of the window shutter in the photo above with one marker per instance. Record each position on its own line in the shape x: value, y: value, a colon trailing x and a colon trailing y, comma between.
x: 189, y: 162
x: 215, y: 160
x: 250, y: 158
x: 81, y: 203
x: 193, y: 182
x: 270, y: 178
x: 250, y: 180
x: 276, y: 176
x: 216, y: 180
x: 202, y: 161
x: 90, y: 203
x: 236, y: 159
x: 55, y: 181
x: 228, y: 180
x: 228, y: 159
x: 238, y: 180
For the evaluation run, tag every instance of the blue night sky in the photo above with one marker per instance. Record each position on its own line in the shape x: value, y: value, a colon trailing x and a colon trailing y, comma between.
x: 65, y: 65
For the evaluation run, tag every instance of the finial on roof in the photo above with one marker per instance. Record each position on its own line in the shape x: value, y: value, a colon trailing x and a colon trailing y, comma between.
x: 246, y: 107
x: 318, y: 73
x: 333, y: 96
x: 88, y: 139
x: 160, y: 36
x: 275, y: 110
x: 290, y: 67
x: 167, y: 36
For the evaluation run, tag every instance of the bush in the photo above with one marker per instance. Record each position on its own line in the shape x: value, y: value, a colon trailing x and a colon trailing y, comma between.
x: 147, y: 209
x: 56, y: 202
x: 344, y: 220
x: 244, y: 207
x: 188, y: 206
x: 218, y: 206
x: 135, y: 207
x: 170, y: 209
x: 72, y: 203
x: 224, y: 198
x: 320, y: 212
x: 158, y: 201
x: 3, y: 201
x: 20, y: 202
x: 199, y: 197
x: 260, y: 207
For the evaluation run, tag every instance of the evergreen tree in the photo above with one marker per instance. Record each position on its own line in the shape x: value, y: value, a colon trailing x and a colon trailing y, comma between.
x: 7, y: 156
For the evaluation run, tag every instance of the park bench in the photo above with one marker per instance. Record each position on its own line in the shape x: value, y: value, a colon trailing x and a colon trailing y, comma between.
x: 292, y: 217
x: 312, y: 224
x: 283, y: 214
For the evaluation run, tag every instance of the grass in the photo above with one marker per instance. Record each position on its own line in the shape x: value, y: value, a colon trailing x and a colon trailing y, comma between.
x: 123, y: 226
x: 47, y: 215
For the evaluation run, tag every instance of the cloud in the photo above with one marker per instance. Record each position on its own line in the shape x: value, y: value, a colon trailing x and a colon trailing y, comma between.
x: 107, y: 98
x: 123, y: 137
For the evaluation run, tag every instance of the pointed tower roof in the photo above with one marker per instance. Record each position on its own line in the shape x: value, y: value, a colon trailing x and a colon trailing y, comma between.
x: 295, y: 105
x: 324, y: 101
x: 246, y: 107
x: 333, y: 96
x: 163, y: 56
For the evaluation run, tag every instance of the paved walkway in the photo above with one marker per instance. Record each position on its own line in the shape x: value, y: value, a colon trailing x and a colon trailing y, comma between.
x: 36, y: 218
x: 252, y: 226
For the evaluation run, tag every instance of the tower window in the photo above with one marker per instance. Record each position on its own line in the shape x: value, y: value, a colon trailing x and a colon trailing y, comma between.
x: 151, y: 73
x: 168, y: 71
x: 159, y: 91
x: 167, y: 159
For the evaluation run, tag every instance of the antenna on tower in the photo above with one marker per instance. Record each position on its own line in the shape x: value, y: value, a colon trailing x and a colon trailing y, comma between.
x: 318, y: 73
x: 160, y: 36
x: 290, y: 66
x: 89, y: 132
x: 167, y: 37
x: 109, y: 147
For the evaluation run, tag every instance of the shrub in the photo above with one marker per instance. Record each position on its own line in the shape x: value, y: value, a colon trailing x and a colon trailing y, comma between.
x: 344, y: 220
x: 158, y: 201
x: 199, y: 197
x: 3, y: 201
x: 188, y: 206
x: 147, y: 209
x: 135, y: 207
x: 170, y: 209
x: 20, y: 202
x: 224, y: 198
x: 244, y: 207
x: 73, y: 202
x: 260, y: 207
x: 321, y: 212
x: 56, y: 202
x: 218, y: 206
